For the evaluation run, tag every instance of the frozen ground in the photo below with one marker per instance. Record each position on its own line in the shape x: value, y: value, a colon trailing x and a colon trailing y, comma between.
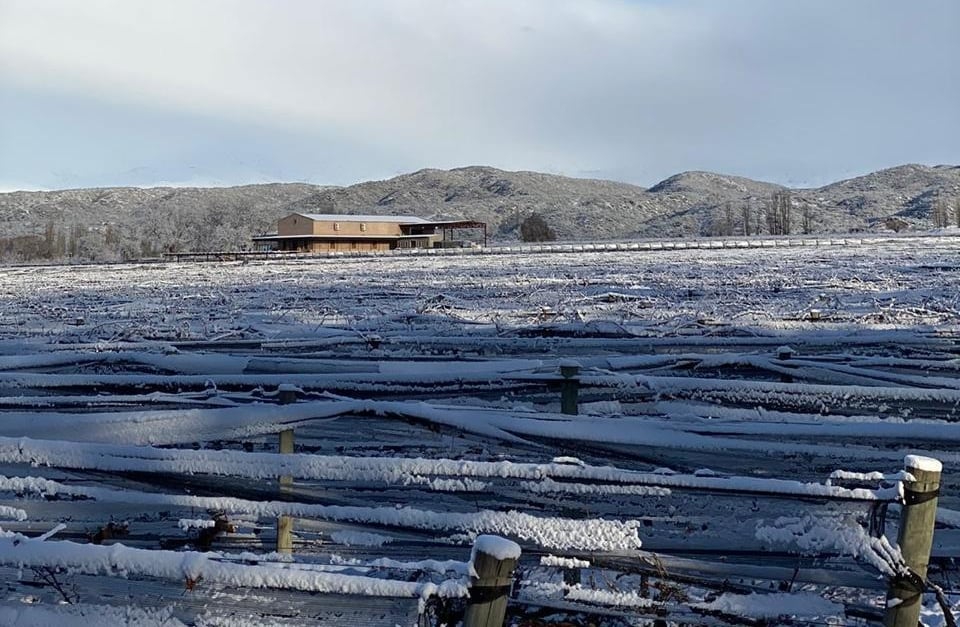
x: 720, y: 390
x: 899, y: 282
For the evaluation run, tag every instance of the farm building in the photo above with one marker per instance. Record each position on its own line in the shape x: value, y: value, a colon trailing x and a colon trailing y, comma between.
x: 313, y: 232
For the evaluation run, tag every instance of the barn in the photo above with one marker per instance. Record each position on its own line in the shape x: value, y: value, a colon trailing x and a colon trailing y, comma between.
x: 322, y: 232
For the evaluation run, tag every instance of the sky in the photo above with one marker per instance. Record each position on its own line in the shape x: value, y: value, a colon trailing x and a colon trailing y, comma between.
x: 222, y: 92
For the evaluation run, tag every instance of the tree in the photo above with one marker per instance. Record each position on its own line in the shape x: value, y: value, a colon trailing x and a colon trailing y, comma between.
x: 49, y: 249
x: 728, y: 218
x: 806, y: 219
x: 535, y: 229
x: 896, y: 224
x: 939, y: 214
x: 745, y: 216
x: 780, y: 213
x: 956, y: 212
x: 723, y: 221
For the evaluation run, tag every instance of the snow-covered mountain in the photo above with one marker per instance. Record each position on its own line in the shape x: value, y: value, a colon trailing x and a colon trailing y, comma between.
x: 144, y: 220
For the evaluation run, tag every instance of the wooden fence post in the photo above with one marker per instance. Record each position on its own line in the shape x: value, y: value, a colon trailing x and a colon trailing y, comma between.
x: 286, y: 394
x: 784, y: 353
x: 284, y: 534
x: 569, y: 387
x: 918, y: 516
x: 493, y: 561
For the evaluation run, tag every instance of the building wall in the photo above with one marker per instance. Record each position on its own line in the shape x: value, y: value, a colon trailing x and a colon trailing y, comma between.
x: 333, y: 245
x: 356, y: 228
x: 299, y: 225
x: 347, y: 245
x: 418, y: 242
x: 294, y: 225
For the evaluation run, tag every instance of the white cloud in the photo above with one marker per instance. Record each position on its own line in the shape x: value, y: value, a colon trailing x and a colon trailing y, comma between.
x: 608, y: 85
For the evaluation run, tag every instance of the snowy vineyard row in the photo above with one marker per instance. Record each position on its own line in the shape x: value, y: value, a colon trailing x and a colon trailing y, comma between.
x: 620, y: 509
x: 735, y: 458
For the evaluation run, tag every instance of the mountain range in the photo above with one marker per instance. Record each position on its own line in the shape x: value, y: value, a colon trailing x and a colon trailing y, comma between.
x: 130, y: 222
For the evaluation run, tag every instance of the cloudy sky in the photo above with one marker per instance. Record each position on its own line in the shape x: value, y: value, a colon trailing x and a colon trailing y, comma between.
x: 129, y: 92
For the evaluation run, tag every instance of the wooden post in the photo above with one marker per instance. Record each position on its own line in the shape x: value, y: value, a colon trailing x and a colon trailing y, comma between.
x: 284, y: 534
x: 493, y: 560
x: 569, y: 388
x: 286, y: 446
x: 784, y: 353
x: 917, y: 519
x: 285, y: 523
x: 286, y: 394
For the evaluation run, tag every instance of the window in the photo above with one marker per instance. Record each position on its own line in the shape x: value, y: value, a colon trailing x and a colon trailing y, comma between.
x: 363, y: 226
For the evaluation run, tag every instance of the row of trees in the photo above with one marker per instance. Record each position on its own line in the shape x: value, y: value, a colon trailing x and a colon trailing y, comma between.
x: 148, y: 234
x: 216, y: 228
x: 943, y: 215
x: 73, y: 242
x: 777, y: 216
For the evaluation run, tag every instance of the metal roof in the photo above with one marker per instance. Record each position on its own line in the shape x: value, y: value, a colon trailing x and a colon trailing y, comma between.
x: 337, y: 217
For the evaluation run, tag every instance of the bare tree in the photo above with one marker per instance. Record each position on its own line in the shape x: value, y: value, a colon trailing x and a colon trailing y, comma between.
x: 745, y: 217
x: 728, y: 218
x: 806, y: 218
x: 956, y: 212
x: 723, y: 222
x: 939, y: 214
x: 780, y: 213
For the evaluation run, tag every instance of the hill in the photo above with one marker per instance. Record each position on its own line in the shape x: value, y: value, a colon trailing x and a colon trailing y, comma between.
x: 109, y: 223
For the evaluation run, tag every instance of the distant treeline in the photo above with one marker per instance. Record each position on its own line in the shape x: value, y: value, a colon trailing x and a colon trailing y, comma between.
x: 211, y: 229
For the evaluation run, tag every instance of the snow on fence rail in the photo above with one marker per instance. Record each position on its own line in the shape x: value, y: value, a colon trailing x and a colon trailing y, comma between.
x: 555, y: 534
x: 560, y: 476
x: 416, y: 472
x: 191, y: 567
x: 484, y: 580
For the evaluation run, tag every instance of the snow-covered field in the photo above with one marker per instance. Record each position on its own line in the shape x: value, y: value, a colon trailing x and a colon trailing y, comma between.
x: 720, y: 391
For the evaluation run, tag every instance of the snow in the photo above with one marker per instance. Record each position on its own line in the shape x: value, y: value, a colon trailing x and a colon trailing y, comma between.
x: 606, y: 597
x: 496, y: 547
x: 800, y: 605
x: 186, y: 524
x: 12, y: 513
x: 813, y: 536
x: 86, y: 615
x: 398, y: 470
x: 566, y: 459
x: 919, y: 462
x: 445, y: 431
x: 119, y: 560
x: 563, y: 562
x: 445, y: 566
x: 544, y: 531
x: 359, y: 538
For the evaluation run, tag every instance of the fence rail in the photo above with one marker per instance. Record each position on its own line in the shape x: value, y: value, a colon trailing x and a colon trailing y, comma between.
x: 562, y: 543
x: 392, y: 477
x: 573, y: 247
